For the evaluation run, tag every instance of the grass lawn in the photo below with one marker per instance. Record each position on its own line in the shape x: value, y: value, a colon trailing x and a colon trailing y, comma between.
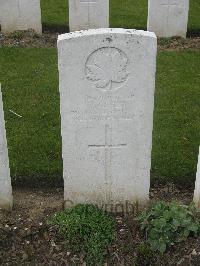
x: 176, y: 119
x: 123, y: 13
x: 29, y: 80
x: 30, y: 88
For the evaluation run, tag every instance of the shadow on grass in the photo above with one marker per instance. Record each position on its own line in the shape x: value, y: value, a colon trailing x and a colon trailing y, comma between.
x: 38, y: 181
x: 55, y: 28
x: 134, y: 28
x: 193, y: 33
x: 65, y: 28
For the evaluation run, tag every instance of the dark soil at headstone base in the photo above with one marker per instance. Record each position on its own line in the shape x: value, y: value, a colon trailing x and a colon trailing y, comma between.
x: 49, y: 39
x: 26, y: 239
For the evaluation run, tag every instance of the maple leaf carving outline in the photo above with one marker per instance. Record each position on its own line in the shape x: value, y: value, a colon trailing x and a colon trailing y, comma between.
x: 107, y: 66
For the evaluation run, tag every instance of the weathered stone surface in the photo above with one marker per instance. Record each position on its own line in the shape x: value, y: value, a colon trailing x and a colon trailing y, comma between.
x: 107, y: 80
x: 168, y: 18
x: 88, y: 14
x: 6, y: 200
x: 20, y: 15
x: 197, y: 185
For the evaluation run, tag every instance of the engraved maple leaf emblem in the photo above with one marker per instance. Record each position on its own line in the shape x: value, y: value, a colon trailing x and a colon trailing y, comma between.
x: 107, y: 66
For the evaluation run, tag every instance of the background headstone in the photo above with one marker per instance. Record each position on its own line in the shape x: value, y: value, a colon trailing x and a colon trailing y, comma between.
x: 168, y: 18
x: 6, y: 199
x: 20, y: 15
x: 197, y: 185
x: 107, y: 81
x: 88, y: 14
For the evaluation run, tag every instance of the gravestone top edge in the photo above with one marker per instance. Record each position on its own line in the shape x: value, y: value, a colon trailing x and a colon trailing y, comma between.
x: 90, y: 32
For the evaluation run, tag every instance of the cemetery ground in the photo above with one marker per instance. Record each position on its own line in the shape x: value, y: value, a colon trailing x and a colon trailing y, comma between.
x: 30, y: 89
x: 27, y: 239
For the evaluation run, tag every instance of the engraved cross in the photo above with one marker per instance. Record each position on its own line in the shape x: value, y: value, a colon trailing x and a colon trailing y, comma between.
x: 88, y: 1
x: 169, y: 4
x: 19, y: 8
x: 108, y: 142
x: 108, y: 146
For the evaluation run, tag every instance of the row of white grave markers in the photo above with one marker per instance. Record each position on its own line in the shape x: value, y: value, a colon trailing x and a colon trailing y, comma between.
x: 166, y: 18
x: 20, y: 15
x: 6, y: 200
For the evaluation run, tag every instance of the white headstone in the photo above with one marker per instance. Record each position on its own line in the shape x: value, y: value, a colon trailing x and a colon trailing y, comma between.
x: 197, y: 185
x: 6, y: 199
x: 88, y: 14
x: 107, y: 81
x: 20, y: 15
x: 168, y: 18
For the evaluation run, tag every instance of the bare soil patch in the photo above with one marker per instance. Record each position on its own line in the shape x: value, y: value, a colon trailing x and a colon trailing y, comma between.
x: 28, y: 39
x: 49, y: 39
x: 27, y: 239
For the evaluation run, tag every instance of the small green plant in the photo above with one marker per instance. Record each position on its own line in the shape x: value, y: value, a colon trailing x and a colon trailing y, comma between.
x: 88, y: 229
x: 168, y: 223
x: 17, y: 35
x: 144, y: 255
